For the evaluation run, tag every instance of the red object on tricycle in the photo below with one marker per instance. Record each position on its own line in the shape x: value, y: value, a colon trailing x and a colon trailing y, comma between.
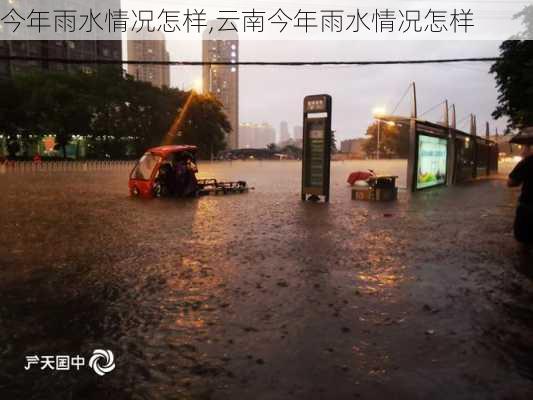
x: 360, y: 176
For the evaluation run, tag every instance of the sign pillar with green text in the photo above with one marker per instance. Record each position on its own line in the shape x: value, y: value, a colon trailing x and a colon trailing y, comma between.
x: 316, y: 147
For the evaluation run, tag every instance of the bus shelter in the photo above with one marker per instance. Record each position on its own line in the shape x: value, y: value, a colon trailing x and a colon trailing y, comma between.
x: 442, y: 155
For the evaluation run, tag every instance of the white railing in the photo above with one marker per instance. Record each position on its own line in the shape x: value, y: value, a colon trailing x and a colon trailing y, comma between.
x: 8, y: 167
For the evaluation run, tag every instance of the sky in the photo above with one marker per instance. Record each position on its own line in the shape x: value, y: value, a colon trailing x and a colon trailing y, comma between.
x: 275, y: 94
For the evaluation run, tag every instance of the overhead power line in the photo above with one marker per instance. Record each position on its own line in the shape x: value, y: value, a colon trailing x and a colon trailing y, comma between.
x: 257, y: 63
x: 431, y: 109
x: 403, y: 97
x: 463, y: 120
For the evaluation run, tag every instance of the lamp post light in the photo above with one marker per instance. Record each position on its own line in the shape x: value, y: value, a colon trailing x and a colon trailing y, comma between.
x: 377, y: 112
x: 198, y: 85
x: 380, y: 112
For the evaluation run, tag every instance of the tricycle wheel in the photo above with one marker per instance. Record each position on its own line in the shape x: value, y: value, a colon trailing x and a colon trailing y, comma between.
x: 158, y: 190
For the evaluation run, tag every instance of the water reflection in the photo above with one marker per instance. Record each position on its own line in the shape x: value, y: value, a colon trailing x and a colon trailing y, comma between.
x: 194, y: 295
x: 384, y: 270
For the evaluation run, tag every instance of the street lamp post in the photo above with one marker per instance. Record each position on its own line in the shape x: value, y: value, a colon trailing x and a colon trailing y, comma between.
x: 379, y: 134
x: 379, y: 121
x: 378, y: 112
x: 211, y: 92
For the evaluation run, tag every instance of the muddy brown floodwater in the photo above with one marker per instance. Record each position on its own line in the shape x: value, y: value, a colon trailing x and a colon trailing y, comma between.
x: 260, y: 296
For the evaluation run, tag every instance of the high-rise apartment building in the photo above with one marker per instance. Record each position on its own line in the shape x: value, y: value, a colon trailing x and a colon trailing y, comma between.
x: 47, y: 50
x: 153, y: 49
x: 256, y: 136
x: 222, y: 81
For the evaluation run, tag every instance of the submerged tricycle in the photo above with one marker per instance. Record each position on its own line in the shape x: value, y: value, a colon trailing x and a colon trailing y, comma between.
x: 167, y: 171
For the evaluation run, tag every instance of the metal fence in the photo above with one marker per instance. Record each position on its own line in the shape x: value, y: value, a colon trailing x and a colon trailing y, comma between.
x: 18, y: 167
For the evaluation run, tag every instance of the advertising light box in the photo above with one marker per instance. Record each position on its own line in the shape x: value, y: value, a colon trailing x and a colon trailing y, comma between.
x: 432, y: 161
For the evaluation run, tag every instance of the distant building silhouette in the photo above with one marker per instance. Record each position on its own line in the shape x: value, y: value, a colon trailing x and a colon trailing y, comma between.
x: 256, y: 136
x: 353, y: 148
x: 284, y: 134
x: 297, y: 132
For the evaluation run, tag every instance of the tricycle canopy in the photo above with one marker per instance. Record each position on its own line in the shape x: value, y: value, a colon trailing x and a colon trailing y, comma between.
x: 144, y: 176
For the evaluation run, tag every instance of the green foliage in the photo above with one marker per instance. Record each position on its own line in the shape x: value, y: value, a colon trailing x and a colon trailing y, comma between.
x: 13, y: 147
x: 514, y: 77
x: 514, y: 80
x: 393, y: 143
x: 205, y: 126
x: 120, y: 116
x: 272, y: 147
x: 292, y: 151
x: 527, y: 19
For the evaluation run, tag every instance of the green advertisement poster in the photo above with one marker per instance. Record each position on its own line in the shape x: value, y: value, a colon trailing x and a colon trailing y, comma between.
x: 432, y: 161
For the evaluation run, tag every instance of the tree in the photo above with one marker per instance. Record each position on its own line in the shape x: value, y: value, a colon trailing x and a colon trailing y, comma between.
x: 393, y: 143
x: 118, y: 115
x: 53, y: 103
x: 527, y: 19
x: 13, y: 147
x: 292, y: 151
x: 125, y: 112
x: 12, y: 114
x: 514, y: 77
x: 200, y: 121
x: 272, y: 147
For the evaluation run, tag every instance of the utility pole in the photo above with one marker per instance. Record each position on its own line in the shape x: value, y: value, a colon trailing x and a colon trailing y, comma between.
x: 487, y: 130
x: 451, y: 143
x: 411, y: 167
x: 473, y: 124
x: 446, y: 115
x: 379, y: 134
x: 414, y: 106
x: 454, y: 117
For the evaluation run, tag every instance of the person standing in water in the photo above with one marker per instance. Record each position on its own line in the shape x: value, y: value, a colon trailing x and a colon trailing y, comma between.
x: 522, y: 175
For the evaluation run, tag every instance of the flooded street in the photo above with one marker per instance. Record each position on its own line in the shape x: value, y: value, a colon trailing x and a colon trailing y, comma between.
x: 260, y: 296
